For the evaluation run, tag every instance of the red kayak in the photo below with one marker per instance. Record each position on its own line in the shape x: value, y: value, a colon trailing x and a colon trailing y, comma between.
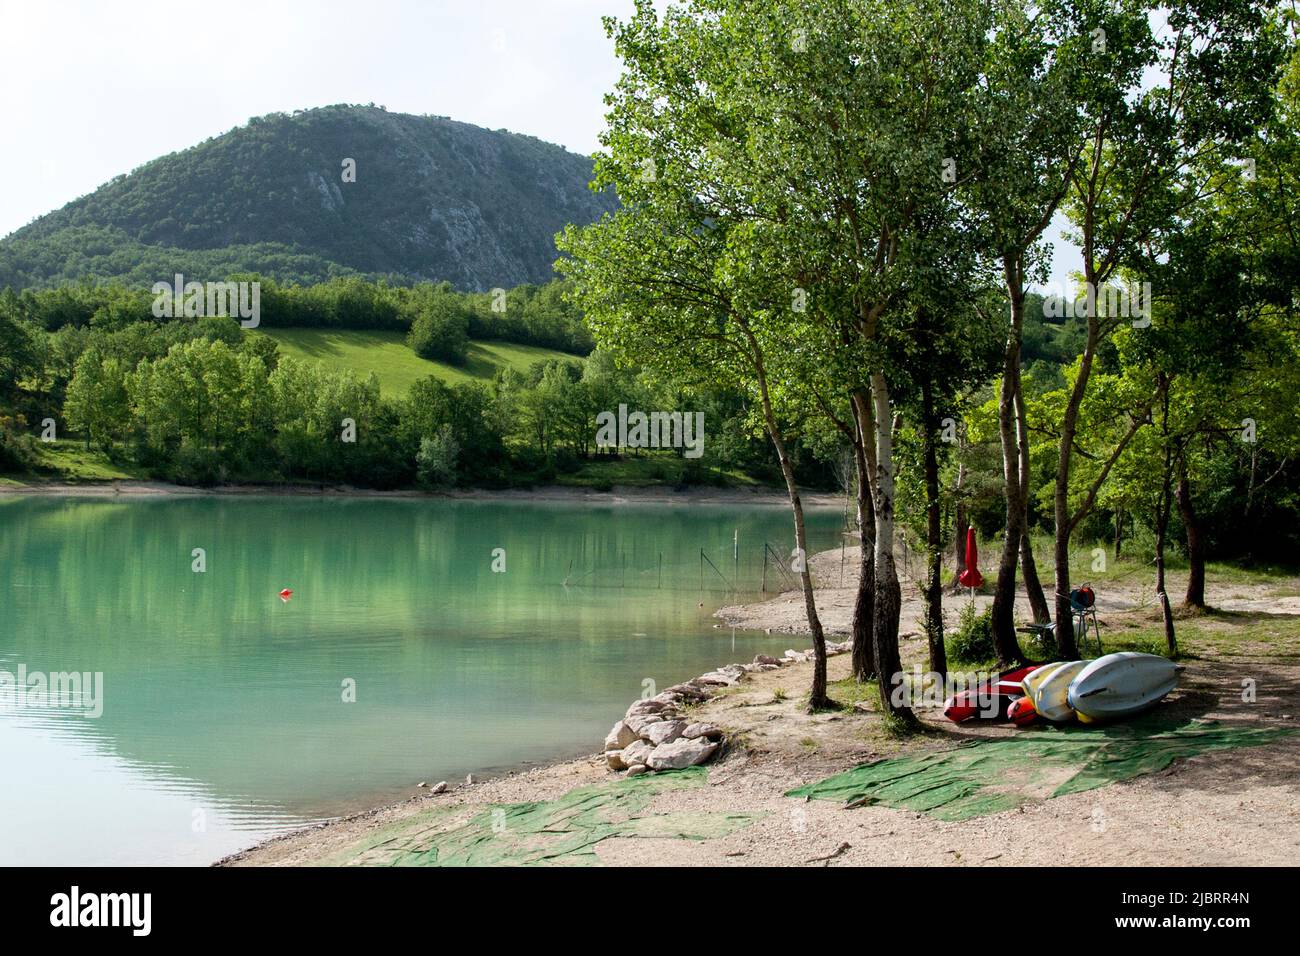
x: 989, y: 700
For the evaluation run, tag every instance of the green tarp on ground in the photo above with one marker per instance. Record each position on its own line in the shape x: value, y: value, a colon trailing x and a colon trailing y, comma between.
x: 560, y: 832
x: 988, y: 776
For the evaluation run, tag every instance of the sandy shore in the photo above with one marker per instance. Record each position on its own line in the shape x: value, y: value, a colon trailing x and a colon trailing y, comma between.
x: 557, y: 493
x: 1233, y: 807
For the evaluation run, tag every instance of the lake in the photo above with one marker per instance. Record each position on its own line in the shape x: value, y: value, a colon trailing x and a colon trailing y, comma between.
x: 230, y: 714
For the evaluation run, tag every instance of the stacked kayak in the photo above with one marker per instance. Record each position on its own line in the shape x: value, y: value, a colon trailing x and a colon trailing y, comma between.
x: 1108, y: 688
x: 989, y: 700
x: 1120, y: 685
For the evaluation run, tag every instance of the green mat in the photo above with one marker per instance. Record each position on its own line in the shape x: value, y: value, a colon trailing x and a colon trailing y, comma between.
x: 560, y: 832
x: 988, y: 776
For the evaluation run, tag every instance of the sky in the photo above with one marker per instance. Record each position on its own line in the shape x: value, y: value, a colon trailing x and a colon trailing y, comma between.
x: 90, y: 90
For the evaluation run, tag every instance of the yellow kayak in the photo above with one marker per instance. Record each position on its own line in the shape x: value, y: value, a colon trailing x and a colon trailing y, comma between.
x: 1034, y: 678
x: 1051, y: 696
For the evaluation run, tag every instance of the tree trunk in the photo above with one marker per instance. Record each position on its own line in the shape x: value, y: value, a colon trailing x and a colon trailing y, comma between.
x: 1028, y: 566
x: 1033, y: 587
x: 1195, y: 596
x: 817, y: 698
x: 1061, y: 498
x: 864, y: 653
x: 959, y: 525
x: 933, y: 541
x: 1162, y: 520
x: 1002, y: 616
x: 1162, y: 526
x: 888, y: 596
x: 1119, y: 530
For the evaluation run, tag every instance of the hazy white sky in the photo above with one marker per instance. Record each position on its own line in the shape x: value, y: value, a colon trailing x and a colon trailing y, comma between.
x: 92, y: 89
x: 89, y: 89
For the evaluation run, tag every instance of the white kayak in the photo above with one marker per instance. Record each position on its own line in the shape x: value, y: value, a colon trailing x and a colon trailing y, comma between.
x: 1035, y: 677
x: 1121, y: 684
x: 1051, y: 697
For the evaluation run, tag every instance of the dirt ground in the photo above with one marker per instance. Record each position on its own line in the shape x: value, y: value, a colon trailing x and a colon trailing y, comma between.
x: 1234, y: 807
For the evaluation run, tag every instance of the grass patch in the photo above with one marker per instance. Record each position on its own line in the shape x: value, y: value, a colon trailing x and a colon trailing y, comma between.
x: 653, y: 469
x: 386, y: 354
x: 70, y: 460
x: 849, y: 692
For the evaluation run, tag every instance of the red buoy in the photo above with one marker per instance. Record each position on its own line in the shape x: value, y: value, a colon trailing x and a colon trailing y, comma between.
x: 286, y: 594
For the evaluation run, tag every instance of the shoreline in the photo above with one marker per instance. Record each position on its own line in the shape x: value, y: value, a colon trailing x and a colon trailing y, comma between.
x: 782, y: 613
x: 1182, y: 816
x: 619, y: 494
x: 537, y: 777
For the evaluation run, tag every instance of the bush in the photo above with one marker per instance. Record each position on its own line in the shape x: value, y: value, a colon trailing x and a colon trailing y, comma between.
x: 435, y: 463
x: 440, y: 330
x: 199, y: 466
x: 17, y: 451
x: 973, y: 641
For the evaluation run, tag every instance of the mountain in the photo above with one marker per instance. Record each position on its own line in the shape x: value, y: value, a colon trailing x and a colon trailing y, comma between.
x: 432, y: 199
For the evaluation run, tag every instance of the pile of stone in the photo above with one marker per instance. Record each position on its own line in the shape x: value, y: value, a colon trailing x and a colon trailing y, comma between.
x: 655, y: 734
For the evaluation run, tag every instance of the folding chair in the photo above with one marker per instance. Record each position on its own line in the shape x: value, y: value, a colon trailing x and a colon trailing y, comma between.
x: 1083, y: 610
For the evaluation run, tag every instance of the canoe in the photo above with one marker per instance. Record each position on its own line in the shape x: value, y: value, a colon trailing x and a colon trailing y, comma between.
x: 1021, y: 712
x: 1051, y: 695
x: 1122, y: 684
x: 1040, y: 674
x: 988, y: 701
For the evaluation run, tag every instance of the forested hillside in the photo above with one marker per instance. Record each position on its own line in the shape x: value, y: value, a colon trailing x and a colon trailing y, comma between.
x: 431, y: 199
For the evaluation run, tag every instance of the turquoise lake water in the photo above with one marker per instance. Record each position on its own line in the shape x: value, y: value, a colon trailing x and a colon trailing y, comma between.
x: 223, y: 712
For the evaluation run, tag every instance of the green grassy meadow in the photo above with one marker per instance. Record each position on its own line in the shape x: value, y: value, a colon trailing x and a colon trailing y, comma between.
x: 387, y: 355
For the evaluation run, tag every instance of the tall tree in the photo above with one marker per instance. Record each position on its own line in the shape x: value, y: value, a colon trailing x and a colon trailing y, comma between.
x: 1154, y: 100
x: 1031, y: 127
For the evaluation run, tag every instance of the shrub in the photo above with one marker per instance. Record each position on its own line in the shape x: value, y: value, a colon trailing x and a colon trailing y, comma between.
x: 17, y: 451
x: 973, y: 641
x: 435, y: 463
x: 440, y: 330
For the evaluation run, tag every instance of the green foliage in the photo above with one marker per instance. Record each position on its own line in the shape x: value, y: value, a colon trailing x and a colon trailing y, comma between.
x: 972, y: 642
x: 435, y: 462
x: 433, y: 200
x: 440, y: 329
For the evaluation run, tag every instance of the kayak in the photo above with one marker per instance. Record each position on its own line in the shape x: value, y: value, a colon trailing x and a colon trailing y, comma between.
x: 1051, y: 695
x: 1031, y: 681
x: 988, y: 700
x: 1122, y: 684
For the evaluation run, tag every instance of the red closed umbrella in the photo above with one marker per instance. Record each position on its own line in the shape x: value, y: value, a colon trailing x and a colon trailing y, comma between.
x: 971, y: 577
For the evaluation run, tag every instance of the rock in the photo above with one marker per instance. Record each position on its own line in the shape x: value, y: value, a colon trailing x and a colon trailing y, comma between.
x: 636, y: 769
x: 664, y: 731
x: 422, y: 783
x: 439, y: 787
x: 765, y: 659
x: 637, y: 752
x: 620, y: 736
x: 732, y: 670
x: 640, y: 726
x: 702, y: 730
x: 717, y: 679
x: 681, y: 753
x: 689, y: 690
x: 469, y: 780
x: 643, y: 708
x: 768, y: 667
x: 614, y: 759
